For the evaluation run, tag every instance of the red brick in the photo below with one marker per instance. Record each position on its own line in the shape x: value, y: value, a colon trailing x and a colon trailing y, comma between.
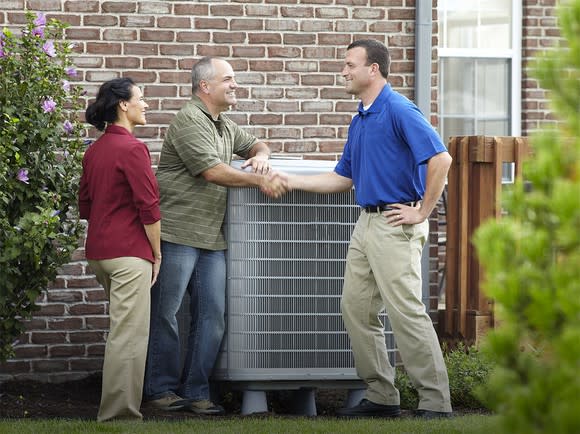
x: 49, y: 365
x: 87, y: 309
x: 335, y: 119
x: 43, y: 5
x: 159, y: 63
x: 246, y: 51
x: 103, y: 48
x: 86, y: 364
x: 86, y: 337
x: 71, y: 269
x: 12, y: 4
x: 116, y: 7
x: 176, y: 50
x: 246, y: 24
x: 210, y: 23
x: 51, y: 310
x: 284, y: 133
x: 65, y: 323
x: 265, y: 119
x: 122, y: 62
x: 72, y: 20
x: 193, y: 37
x: 332, y: 146
x: 67, y: 350
x: 81, y: 6
x: 301, y: 119
x: 305, y: 146
x: 191, y: 9
x: 30, y: 352
x: 15, y: 367
x: 97, y: 322
x: 225, y: 10
x: 83, y: 282
x: 64, y: 296
x: 288, y: 52
x: 100, y: 20
x: 96, y: 350
x: 174, y: 22
x: 213, y: 50
x: 48, y: 337
x: 297, y: 12
x: 157, y: 35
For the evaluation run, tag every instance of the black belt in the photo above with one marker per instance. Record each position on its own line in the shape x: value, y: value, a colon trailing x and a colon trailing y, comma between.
x: 381, y: 208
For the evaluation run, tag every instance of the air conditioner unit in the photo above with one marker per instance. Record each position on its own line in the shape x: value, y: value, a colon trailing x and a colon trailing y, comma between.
x: 285, y: 264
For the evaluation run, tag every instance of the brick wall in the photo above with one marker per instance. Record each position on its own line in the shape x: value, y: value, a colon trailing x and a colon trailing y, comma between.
x: 287, y: 55
x: 540, y: 32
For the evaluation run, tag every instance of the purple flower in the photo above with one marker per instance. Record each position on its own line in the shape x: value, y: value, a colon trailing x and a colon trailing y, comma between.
x: 71, y: 72
x: 49, y: 49
x: 68, y: 126
x: 48, y: 105
x: 2, y: 54
x: 54, y: 213
x: 40, y: 20
x: 38, y: 31
x: 22, y: 175
x: 66, y: 85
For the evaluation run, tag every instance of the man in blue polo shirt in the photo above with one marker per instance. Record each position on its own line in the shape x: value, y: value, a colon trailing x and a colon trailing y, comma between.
x: 398, y: 165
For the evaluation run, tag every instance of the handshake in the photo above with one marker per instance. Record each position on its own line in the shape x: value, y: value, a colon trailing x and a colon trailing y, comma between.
x: 275, y: 184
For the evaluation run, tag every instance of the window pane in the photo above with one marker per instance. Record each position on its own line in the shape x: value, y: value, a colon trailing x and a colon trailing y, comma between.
x: 493, y: 87
x: 492, y: 128
x: 458, y: 92
x: 495, y: 24
x: 460, y: 24
x: 456, y: 127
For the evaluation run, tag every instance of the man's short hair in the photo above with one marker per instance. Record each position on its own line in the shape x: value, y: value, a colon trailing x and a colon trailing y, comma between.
x: 377, y: 53
x: 202, y: 70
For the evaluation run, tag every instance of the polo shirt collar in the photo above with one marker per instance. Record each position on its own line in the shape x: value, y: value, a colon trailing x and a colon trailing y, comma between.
x: 377, y: 103
x: 117, y: 129
x: 196, y: 101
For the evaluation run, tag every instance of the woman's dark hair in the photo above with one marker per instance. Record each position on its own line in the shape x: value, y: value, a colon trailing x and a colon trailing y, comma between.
x: 377, y: 53
x: 104, y: 109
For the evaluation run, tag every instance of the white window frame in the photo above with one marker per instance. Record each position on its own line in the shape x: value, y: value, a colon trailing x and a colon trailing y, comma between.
x: 513, y: 54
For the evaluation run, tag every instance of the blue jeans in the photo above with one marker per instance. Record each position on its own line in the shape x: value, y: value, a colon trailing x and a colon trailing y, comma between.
x: 203, y: 274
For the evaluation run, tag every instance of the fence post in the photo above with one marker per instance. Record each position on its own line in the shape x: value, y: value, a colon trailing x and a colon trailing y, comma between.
x: 474, y: 195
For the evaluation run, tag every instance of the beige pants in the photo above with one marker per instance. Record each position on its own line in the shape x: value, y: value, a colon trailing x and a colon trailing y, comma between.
x: 127, y: 282
x: 384, y: 272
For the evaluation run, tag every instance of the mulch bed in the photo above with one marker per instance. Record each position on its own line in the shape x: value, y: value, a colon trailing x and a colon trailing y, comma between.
x: 80, y: 400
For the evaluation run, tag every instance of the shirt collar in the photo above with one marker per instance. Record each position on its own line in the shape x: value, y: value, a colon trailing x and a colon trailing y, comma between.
x: 196, y: 101
x: 377, y: 104
x: 117, y: 129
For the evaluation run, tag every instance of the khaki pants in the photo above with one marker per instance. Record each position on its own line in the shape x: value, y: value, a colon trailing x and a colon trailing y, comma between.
x: 384, y: 272
x: 127, y: 282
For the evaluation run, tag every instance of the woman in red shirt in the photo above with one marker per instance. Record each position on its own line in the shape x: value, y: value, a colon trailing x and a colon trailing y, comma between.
x: 120, y: 199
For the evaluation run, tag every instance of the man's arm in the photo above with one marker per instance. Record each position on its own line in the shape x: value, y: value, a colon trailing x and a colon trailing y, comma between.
x: 437, y: 168
x: 330, y: 182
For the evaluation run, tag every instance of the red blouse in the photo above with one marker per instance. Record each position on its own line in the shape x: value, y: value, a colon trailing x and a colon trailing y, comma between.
x: 118, y: 195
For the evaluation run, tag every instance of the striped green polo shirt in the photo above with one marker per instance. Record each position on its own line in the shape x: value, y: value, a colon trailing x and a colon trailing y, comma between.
x: 192, y: 209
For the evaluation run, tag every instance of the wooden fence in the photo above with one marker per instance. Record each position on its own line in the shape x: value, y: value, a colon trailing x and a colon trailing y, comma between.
x: 474, y: 193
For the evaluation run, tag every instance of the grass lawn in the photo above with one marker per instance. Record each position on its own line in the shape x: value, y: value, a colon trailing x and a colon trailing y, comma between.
x: 265, y: 425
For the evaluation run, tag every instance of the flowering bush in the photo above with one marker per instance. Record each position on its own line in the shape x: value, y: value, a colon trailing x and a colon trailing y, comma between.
x: 40, y: 162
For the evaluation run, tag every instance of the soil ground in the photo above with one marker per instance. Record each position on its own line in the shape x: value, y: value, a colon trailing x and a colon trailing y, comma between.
x: 80, y: 400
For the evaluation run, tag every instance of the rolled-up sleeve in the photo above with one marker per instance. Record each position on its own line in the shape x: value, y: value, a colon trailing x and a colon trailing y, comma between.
x: 143, y: 184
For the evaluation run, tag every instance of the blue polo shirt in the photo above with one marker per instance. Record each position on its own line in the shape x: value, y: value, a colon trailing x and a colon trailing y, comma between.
x: 387, y: 149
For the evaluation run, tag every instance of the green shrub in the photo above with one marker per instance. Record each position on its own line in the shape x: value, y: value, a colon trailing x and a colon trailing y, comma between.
x: 532, y: 262
x: 468, y: 370
x: 40, y: 160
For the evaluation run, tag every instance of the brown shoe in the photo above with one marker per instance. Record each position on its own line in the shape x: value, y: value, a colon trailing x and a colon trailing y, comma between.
x: 205, y: 406
x: 169, y: 402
